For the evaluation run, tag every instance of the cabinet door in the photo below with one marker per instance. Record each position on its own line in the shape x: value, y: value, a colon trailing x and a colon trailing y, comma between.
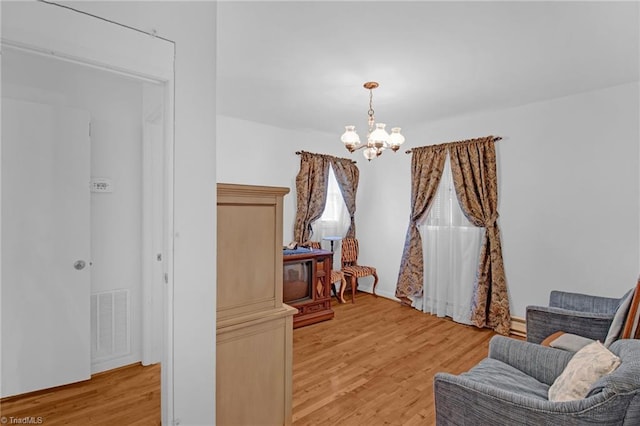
x: 253, y: 375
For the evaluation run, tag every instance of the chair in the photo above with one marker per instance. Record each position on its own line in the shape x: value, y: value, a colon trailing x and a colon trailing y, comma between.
x: 336, y: 276
x: 352, y: 270
x: 590, y: 317
x: 511, y: 387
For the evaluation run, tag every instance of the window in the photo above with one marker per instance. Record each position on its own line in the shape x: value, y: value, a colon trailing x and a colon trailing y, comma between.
x: 335, y: 219
x: 451, y: 247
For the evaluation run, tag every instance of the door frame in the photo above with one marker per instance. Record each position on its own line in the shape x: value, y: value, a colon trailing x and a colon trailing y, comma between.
x: 52, y: 30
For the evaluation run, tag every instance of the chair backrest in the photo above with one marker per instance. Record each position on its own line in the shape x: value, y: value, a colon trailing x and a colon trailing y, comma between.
x: 313, y: 244
x: 349, y: 252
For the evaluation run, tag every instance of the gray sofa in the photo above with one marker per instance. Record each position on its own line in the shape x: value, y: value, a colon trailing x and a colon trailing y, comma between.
x: 581, y: 314
x: 510, y: 387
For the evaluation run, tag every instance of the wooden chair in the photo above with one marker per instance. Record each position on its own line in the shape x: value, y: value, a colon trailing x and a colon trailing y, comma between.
x: 336, y: 276
x: 352, y: 270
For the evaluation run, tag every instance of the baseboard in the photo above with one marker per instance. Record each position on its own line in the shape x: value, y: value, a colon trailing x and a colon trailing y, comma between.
x: 518, y: 324
x: 518, y: 327
x: 369, y: 289
x: 111, y: 364
x: 384, y: 294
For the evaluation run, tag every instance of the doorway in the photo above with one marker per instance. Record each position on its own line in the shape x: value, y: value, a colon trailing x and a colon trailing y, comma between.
x: 126, y: 118
x: 131, y: 175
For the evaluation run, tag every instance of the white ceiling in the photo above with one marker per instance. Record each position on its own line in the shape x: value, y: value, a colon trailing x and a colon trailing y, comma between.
x: 301, y: 65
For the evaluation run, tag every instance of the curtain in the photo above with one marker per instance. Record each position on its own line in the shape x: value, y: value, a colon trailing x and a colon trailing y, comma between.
x: 347, y: 176
x: 451, y: 245
x: 473, y: 164
x: 427, y: 164
x: 311, y: 193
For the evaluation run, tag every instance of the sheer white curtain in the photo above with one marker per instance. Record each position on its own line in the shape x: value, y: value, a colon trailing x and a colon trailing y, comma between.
x: 335, y: 219
x: 451, y: 246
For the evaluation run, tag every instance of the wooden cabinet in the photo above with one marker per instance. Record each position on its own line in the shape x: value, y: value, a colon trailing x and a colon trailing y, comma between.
x: 254, y: 327
x: 307, y: 287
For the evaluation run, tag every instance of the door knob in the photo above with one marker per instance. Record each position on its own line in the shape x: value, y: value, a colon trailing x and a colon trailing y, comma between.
x: 79, y: 264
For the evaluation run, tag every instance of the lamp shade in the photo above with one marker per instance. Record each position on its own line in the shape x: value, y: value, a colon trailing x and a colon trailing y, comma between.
x: 350, y: 138
x: 370, y: 153
x: 379, y: 137
x: 395, y: 138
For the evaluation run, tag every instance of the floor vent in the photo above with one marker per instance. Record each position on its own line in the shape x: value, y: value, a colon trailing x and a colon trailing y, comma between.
x: 110, y: 325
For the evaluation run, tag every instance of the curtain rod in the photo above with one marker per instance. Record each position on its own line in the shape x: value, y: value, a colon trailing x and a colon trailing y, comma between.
x: 495, y: 139
x: 325, y: 155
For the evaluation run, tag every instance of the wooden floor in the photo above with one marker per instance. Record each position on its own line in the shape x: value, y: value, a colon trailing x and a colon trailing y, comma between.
x: 126, y: 396
x: 372, y: 364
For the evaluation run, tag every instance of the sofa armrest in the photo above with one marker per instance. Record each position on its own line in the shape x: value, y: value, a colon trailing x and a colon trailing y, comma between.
x: 543, y: 321
x: 583, y: 302
x: 540, y: 362
x: 460, y: 400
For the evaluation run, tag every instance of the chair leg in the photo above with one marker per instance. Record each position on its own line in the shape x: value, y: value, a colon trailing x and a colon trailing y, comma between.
x: 354, y: 284
x: 375, y: 283
x: 343, y: 285
x: 334, y: 291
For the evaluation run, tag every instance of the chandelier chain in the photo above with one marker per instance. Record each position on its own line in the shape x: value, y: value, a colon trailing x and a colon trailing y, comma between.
x: 370, y: 112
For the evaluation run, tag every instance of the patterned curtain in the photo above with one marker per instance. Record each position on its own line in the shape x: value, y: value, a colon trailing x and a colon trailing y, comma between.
x: 311, y: 189
x: 427, y: 164
x: 473, y: 165
x: 347, y: 175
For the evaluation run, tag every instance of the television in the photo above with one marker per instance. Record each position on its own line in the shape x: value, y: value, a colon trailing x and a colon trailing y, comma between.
x: 297, y: 280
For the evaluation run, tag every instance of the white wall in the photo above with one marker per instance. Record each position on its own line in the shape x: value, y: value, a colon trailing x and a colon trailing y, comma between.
x: 569, y: 189
x: 257, y: 154
x: 569, y: 185
x: 191, y: 25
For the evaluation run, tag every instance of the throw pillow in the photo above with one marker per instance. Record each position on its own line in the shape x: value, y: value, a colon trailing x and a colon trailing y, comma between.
x: 583, y: 370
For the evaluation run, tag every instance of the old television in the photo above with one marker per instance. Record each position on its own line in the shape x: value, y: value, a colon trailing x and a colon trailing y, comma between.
x: 297, y: 282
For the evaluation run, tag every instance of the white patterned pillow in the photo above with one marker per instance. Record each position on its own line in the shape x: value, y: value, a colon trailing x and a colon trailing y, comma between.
x: 587, y: 365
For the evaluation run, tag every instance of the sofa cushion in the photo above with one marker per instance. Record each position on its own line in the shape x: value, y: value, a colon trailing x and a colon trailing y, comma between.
x: 496, y: 373
x: 587, y: 366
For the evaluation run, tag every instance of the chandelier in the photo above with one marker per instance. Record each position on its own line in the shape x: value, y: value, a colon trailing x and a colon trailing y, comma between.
x: 377, y: 137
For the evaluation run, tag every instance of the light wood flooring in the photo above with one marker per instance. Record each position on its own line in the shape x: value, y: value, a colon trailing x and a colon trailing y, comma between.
x: 125, y: 396
x: 373, y: 364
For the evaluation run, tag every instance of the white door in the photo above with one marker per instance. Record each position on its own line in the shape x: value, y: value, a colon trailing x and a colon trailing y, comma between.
x: 45, y: 246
